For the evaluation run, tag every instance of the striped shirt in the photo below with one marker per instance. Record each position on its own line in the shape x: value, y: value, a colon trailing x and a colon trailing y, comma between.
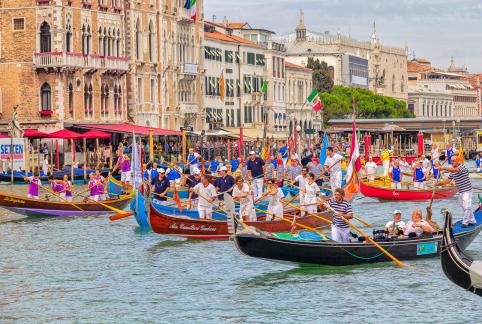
x: 461, y: 178
x: 345, y: 208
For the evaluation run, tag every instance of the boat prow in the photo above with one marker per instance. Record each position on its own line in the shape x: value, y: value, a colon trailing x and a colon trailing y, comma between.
x: 381, y: 192
x: 458, y: 267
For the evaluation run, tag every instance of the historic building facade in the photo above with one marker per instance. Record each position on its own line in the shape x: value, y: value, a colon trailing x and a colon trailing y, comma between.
x: 366, y: 64
x: 62, y: 62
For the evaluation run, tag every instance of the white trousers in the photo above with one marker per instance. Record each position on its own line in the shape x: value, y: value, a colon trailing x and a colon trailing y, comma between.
x: 205, y: 212
x: 340, y: 235
x: 277, y: 210
x: 386, y: 167
x: 335, y: 180
x: 192, y: 167
x: 396, y: 185
x: 32, y: 197
x: 257, y: 185
x: 419, y: 185
x: 465, y: 200
x: 194, y: 203
x: 248, y: 212
x: 126, y: 176
x: 310, y: 205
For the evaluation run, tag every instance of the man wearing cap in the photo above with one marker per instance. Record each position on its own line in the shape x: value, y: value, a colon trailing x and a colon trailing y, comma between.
x: 333, y: 167
x: 395, y: 227
x: 161, y: 186
x: 255, y: 167
x: 192, y: 181
x: 224, y: 183
x: 207, y: 195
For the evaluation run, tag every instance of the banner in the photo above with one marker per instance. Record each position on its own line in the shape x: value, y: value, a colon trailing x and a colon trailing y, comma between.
x: 18, y: 149
x: 136, y: 163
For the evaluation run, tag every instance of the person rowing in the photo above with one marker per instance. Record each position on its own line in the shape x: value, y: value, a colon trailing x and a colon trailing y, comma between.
x: 68, y: 188
x: 124, y: 163
x: 419, y: 175
x: 161, y: 186
x: 340, y: 230
x: 460, y: 174
x: 207, y: 195
x: 33, y: 187
x: 371, y: 169
x: 93, y: 189
x: 243, y: 193
x: 224, y: 183
x: 255, y: 168
x: 192, y: 181
x: 301, y: 180
x: 333, y: 167
x: 193, y: 160
x: 396, y: 175
x: 101, y: 183
x: 57, y: 187
x: 311, y: 192
x: 275, y: 197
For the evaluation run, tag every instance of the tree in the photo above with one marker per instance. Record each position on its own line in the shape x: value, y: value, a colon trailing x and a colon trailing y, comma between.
x: 321, y: 77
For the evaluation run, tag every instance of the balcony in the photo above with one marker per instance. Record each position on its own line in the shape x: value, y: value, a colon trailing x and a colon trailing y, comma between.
x: 188, y: 71
x: 74, y: 61
x: 184, y: 16
x: 187, y: 108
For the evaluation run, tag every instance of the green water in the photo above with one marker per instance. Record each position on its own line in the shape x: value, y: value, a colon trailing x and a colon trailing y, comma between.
x: 90, y: 270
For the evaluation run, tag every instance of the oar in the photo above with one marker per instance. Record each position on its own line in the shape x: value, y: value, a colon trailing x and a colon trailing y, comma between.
x: 60, y: 197
x: 120, y: 213
x: 397, y: 262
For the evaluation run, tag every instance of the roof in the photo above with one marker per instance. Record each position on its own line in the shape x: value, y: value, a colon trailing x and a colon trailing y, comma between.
x: 65, y: 134
x: 228, y: 38
x: 417, y: 67
x: 421, y: 60
x: 130, y: 128
x: 234, y: 25
x: 290, y: 65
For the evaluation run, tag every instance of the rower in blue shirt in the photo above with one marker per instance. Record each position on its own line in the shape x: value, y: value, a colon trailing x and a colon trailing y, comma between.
x: 395, y: 174
x: 283, y: 150
x: 419, y: 176
x: 234, y: 164
x: 478, y: 162
x: 225, y: 183
x: 213, y: 166
x: 192, y: 160
x: 435, y: 170
x: 449, y: 153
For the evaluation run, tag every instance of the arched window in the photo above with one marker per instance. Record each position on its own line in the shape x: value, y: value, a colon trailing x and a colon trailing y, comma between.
x: 119, y: 99
x: 101, y: 42
x: 71, y: 99
x: 138, y: 39
x: 68, y: 38
x: 89, y: 39
x: 151, y: 42
x: 91, y: 99
x: 45, y: 41
x: 86, y: 99
x: 402, y: 84
x: 118, y: 44
x: 46, y: 97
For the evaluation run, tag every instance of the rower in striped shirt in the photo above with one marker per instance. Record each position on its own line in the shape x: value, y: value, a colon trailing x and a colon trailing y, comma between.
x: 340, y: 231
x: 460, y: 174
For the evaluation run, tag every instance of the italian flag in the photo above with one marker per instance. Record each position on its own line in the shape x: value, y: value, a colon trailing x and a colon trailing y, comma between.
x: 355, y: 161
x: 191, y: 4
x: 315, y: 101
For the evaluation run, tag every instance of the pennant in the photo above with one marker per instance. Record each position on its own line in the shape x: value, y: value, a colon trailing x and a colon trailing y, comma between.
x: 355, y: 161
x: 221, y: 86
x: 177, y: 199
x: 326, y: 143
x: 317, y: 105
x: 312, y: 95
x: 136, y: 163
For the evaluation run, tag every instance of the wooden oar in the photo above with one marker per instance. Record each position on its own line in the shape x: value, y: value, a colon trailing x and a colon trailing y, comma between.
x: 60, y: 197
x: 397, y: 262
x: 120, y: 213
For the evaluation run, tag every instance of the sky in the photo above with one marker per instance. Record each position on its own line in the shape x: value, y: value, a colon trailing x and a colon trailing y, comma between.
x: 433, y: 29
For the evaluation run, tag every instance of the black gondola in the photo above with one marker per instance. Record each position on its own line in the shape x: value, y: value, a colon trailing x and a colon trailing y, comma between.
x: 459, y: 268
x: 326, y: 252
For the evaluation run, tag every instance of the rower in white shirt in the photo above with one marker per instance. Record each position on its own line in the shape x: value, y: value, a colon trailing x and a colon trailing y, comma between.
x: 371, y: 169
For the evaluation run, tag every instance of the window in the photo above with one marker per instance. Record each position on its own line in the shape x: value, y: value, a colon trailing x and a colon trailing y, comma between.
x: 46, y: 97
x: 104, y: 100
x: 71, y: 99
x: 260, y: 59
x: 153, y: 92
x: 228, y: 56
x: 151, y: 42
x: 138, y: 39
x: 139, y: 93
x: 45, y: 42
x: 68, y: 38
x: 18, y: 24
x: 251, y: 58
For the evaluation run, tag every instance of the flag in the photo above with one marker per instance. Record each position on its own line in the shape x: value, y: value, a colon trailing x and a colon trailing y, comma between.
x: 221, y: 86
x: 461, y: 156
x: 265, y: 87
x: 326, y: 143
x: 355, y: 161
x: 191, y: 4
x: 136, y: 163
x: 177, y: 199
x: 315, y: 101
x: 151, y: 145
x: 240, y: 143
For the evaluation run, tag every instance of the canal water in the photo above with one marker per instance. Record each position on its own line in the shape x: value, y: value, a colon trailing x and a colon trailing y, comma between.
x: 90, y: 270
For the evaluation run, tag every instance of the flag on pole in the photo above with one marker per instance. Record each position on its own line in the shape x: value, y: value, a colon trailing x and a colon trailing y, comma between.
x: 136, y: 163
x: 314, y: 99
x: 355, y: 161
x: 191, y: 4
x: 221, y: 86
x: 326, y: 143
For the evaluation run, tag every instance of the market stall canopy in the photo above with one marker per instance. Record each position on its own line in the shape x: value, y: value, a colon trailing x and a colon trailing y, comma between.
x: 130, y: 128
x: 4, y: 136
x: 33, y: 133
x: 93, y: 133
x: 65, y: 134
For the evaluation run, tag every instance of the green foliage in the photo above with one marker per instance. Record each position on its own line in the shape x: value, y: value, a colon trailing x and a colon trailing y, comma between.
x: 338, y: 104
x: 321, y: 77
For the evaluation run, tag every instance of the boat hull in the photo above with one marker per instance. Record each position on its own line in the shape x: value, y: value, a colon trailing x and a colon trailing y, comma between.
x: 342, y: 254
x: 394, y: 194
x: 218, y: 229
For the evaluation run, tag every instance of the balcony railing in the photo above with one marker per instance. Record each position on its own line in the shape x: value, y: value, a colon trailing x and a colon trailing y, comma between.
x: 77, y: 60
x: 187, y: 108
x: 184, y: 16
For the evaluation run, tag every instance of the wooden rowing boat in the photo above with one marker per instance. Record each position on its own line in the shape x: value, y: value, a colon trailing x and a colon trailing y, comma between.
x: 313, y: 249
x: 458, y: 267
x: 217, y: 229
x: 19, y: 176
x: 36, y: 207
x: 386, y: 193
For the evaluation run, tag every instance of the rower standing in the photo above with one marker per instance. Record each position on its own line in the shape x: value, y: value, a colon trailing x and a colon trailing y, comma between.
x: 243, y: 194
x: 333, y: 167
x: 224, y: 183
x: 419, y: 176
x: 207, y: 195
x: 255, y: 167
x: 396, y: 175
x: 161, y: 186
x: 294, y: 170
x: 275, y: 197
x: 478, y: 162
x: 340, y: 230
x: 35, y: 183
x: 283, y: 150
x: 68, y: 188
x: 192, y: 160
x: 301, y: 180
x: 371, y: 169
x: 311, y: 194
x: 124, y: 163
x: 193, y: 180
x: 449, y: 153
x: 93, y: 188
x: 100, y: 181
x: 460, y: 174
x: 385, y: 155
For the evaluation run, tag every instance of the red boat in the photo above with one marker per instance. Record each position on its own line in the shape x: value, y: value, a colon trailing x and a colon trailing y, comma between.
x: 218, y: 229
x: 378, y: 191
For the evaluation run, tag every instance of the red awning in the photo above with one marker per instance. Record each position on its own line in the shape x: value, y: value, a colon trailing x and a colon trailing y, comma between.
x: 4, y: 136
x: 96, y: 134
x: 130, y: 128
x: 65, y: 134
x: 33, y: 133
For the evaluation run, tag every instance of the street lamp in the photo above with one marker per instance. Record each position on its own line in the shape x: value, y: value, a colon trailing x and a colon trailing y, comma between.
x: 298, y: 131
